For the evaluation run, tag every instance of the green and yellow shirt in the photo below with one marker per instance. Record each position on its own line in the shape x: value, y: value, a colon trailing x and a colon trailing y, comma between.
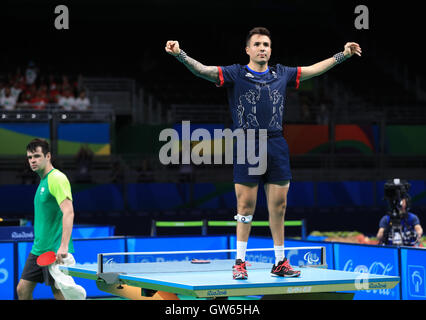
x: 52, y: 190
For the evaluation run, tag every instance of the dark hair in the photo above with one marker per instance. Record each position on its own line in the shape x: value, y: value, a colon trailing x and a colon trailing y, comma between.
x: 32, y: 146
x: 258, y: 30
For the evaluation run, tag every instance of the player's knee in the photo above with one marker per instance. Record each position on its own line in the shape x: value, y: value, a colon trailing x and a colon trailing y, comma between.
x: 284, y: 205
x: 278, y: 208
x: 246, y: 207
x: 246, y: 218
x: 23, y: 291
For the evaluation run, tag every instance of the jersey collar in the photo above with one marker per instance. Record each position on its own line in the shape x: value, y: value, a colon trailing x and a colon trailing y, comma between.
x: 258, y: 73
x: 47, y: 174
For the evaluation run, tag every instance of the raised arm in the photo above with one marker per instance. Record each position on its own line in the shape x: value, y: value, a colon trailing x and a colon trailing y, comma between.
x: 210, y: 73
x: 319, y: 68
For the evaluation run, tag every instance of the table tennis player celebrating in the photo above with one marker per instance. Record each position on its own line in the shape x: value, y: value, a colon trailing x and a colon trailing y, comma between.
x: 256, y: 94
x: 53, y: 221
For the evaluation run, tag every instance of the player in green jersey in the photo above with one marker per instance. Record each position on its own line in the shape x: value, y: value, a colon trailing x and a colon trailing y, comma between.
x: 53, y: 220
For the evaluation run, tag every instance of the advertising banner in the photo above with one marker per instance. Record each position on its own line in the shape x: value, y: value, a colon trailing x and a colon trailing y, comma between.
x: 369, y: 260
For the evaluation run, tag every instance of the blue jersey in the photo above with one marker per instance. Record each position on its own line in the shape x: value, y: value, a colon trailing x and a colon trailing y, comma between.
x: 407, y: 232
x: 407, y: 222
x: 257, y: 100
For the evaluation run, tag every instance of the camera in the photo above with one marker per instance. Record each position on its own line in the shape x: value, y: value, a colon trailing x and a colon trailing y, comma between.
x: 395, y: 191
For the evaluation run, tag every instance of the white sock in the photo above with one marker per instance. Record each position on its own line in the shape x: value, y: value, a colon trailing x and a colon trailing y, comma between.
x: 279, y: 254
x: 241, y: 250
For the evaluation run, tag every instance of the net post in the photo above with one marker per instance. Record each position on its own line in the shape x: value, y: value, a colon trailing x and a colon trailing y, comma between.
x: 153, y: 228
x: 323, y: 256
x: 100, y: 263
x: 204, y: 228
x: 303, y: 229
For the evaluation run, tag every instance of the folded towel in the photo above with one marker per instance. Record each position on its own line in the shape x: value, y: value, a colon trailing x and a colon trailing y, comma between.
x: 64, y: 282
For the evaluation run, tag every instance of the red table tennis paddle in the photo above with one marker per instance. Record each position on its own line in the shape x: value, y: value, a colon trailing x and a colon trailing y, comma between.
x: 46, y: 259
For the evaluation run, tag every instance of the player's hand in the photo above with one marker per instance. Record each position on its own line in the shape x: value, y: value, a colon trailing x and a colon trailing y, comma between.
x: 352, y: 48
x: 172, y: 47
x: 60, y: 254
x: 419, y: 239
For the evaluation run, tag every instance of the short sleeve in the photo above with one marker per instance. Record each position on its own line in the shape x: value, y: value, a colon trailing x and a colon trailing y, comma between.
x: 384, y: 222
x: 292, y: 74
x: 413, y: 219
x: 228, y: 75
x: 59, y: 187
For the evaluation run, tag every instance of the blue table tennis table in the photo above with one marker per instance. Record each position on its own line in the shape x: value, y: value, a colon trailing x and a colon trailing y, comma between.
x: 168, y: 280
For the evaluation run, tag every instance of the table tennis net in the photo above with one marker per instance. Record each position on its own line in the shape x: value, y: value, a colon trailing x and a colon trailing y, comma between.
x: 204, y: 260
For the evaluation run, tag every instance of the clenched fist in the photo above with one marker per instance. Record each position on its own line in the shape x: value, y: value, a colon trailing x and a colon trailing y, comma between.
x: 172, y: 47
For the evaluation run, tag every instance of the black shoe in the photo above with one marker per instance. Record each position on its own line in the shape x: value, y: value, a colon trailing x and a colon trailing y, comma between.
x: 283, y: 269
x: 239, y: 271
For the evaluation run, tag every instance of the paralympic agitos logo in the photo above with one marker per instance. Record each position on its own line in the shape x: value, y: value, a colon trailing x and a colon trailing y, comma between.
x: 311, y: 258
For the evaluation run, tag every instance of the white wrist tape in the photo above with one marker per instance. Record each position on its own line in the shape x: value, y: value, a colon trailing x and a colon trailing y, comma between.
x: 243, y: 219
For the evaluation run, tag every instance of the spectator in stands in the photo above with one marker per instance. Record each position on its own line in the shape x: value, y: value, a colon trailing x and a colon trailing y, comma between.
x: 8, y: 101
x: 67, y: 101
x: 32, y: 89
x: 43, y: 89
x: 24, y: 101
x: 17, y: 77
x: 82, y: 103
x: 52, y: 82
x: 54, y: 92
x: 16, y: 90
x: 68, y: 84
x: 31, y: 73
x: 65, y: 82
x: 30, y: 92
x: 41, y: 100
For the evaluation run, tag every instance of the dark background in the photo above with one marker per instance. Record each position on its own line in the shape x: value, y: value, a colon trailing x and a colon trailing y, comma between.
x: 122, y: 37
x: 127, y: 38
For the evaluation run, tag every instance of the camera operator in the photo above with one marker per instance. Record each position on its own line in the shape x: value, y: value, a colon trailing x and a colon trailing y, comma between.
x: 399, y: 226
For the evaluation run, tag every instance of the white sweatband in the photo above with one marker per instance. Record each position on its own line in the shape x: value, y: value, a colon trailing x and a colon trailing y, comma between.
x: 243, y: 219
